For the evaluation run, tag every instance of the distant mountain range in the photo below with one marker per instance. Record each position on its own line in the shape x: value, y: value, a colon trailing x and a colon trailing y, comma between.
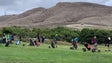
x: 74, y: 15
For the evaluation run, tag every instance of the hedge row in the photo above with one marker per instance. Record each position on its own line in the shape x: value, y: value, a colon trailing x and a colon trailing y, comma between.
x: 84, y: 34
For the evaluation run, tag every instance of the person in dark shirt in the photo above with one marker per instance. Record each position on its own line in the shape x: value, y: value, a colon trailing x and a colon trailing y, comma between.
x: 43, y: 39
x: 107, y: 43
x: 20, y: 37
x: 38, y: 37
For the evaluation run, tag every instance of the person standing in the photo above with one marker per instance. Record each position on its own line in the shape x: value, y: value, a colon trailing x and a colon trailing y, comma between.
x: 74, y: 42
x: 43, y: 39
x: 20, y: 37
x: 55, y: 39
x: 107, y: 43
x: 38, y: 37
x: 4, y: 39
x: 94, y: 42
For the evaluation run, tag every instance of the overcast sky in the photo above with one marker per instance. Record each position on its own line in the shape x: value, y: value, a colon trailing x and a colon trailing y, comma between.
x: 19, y: 6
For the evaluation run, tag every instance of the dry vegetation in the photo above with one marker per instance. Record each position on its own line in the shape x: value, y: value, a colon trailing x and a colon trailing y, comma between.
x: 63, y: 14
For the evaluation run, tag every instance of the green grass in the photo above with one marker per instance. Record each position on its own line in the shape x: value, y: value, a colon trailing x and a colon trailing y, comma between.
x: 43, y: 54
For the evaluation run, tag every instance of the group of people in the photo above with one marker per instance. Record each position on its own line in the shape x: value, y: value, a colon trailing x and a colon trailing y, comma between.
x: 107, y: 43
x: 40, y: 38
x: 9, y: 38
x: 36, y: 41
x: 94, y: 47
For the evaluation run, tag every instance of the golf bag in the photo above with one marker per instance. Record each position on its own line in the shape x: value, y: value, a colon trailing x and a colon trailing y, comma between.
x: 7, y: 44
x: 52, y: 44
x: 31, y: 42
x: 87, y: 46
x: 84, y: 49
x: 36, y: 43
x: 17, y: 42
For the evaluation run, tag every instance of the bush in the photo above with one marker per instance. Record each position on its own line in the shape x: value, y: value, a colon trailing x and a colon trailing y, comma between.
x: 87, y: 34
x: 64, y: 34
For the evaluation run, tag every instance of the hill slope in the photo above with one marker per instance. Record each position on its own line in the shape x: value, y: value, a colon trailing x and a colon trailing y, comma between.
x: 64, y: 13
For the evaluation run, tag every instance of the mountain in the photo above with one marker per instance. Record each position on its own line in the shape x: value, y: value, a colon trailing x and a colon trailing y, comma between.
x: 62, y: 14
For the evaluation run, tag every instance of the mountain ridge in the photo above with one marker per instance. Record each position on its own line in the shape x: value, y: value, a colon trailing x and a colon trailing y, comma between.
x: 63, y: 13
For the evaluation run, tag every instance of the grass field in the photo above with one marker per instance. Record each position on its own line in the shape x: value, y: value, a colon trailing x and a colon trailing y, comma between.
x: 43, y: 54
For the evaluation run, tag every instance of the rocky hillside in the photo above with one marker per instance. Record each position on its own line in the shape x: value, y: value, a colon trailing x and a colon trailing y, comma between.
x: 63, y: 14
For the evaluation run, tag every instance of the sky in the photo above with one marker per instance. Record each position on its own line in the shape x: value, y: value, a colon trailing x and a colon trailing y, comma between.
x: 19, y: 6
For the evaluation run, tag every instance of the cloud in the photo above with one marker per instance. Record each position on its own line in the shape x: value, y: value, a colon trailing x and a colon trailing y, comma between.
x: 109, y: 3
x: 18, y: 6
x: 6, y: 2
